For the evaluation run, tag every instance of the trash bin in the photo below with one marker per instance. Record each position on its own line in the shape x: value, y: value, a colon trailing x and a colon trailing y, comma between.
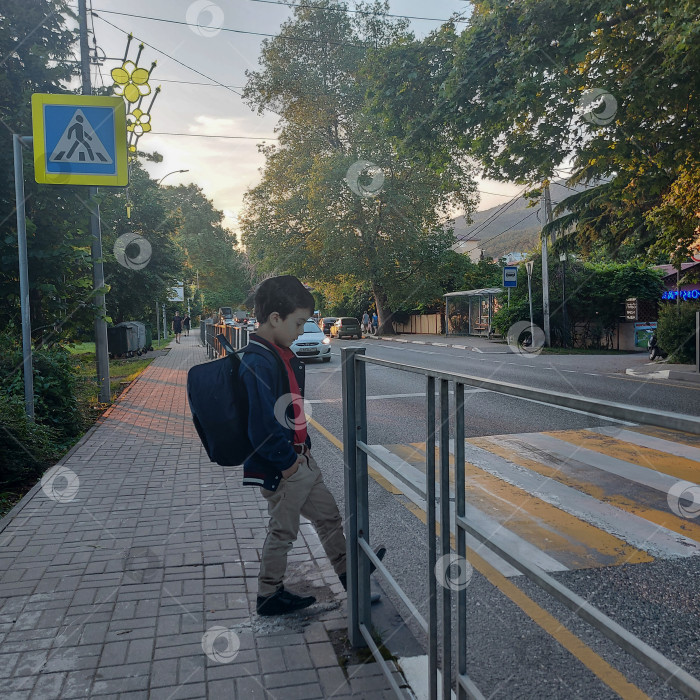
x: 141, y: 345
x: 132, y: 337
x: 149, y: 336
x: 117, y: 341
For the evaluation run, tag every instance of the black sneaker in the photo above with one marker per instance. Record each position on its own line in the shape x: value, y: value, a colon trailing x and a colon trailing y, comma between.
x: 283, y: 602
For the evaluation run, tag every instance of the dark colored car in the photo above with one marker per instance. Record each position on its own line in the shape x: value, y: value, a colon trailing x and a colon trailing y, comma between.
x: 326, y: 322
x: 346, y: 328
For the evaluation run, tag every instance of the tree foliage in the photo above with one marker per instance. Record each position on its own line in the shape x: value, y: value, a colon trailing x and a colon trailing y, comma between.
x: 595, y: 297
x: 516, y: 96
x: 321, y: 211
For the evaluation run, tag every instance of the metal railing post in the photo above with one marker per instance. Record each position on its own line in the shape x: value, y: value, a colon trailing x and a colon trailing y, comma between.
x: 362, y: 486
x: 432, y: 534
x: 445, y: 536
x: 350, y: 435
x: 460, y: 511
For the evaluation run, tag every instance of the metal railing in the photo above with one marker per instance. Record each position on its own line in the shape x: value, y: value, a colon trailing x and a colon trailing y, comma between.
x: 360, y: 554
x: 238, y: 337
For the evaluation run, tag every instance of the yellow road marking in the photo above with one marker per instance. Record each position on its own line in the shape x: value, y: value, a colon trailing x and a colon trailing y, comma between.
x: 373, y: 473
x: 573, y: 541
x: 673, y: 465
x: 615, y: 680
x: 659, y: 517
x: 667, y: 434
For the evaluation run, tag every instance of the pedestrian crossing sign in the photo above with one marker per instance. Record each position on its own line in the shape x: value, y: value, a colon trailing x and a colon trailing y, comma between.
x: 79, y: 140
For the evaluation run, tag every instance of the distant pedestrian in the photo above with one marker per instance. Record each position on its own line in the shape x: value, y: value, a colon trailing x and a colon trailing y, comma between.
x: 186, y: 324
x: 177, y: 326
x: 375, y: 323
x: 365, y: 322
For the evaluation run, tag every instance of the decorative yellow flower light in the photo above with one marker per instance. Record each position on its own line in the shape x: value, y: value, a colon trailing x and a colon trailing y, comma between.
x: 131, y: 82
x: 139, y: 122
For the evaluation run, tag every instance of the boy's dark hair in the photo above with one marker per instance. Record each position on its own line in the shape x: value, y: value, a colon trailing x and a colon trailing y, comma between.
x: 282, y: 294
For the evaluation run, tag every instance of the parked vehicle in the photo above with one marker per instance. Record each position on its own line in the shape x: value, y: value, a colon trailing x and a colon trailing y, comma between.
x: 326, y: 322
x: 654, y: 349
x: 313, y: 342
x: 346, y: 327
x: 226, y: 315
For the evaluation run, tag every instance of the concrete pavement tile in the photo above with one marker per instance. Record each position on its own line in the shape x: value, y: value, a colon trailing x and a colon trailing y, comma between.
x: 164, y: 673
x: 77, y: 684
x: 288, y: 679
x: 323, y: 655
x: 114, y: 653
x: 237, y: 669
x: 333, y: 681
x: 139, y: 649
x: 279, y: 640
x: 250, y: 688
x: 30, y: 663
x: 297, y: 657
x: 119, y: 685
x: 221, y: 690
x: 48, y: 685
x: 191, y: 669
x: 271, y: 660
x: 181, y: 692
x: 7, y: 664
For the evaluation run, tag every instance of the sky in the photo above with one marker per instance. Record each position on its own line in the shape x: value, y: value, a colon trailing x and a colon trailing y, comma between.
x: 206, y: 52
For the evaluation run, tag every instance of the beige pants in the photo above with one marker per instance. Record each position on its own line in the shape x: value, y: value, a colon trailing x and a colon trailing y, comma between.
x: 303, y: 493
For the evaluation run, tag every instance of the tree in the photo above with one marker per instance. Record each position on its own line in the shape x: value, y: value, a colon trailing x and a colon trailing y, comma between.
x: 336, y: 199
x: 37, y: 50
x: 611, y: 88
x: 211, y: 252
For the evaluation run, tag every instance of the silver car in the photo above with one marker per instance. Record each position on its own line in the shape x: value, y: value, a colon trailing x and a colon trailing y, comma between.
x: 313, y: 342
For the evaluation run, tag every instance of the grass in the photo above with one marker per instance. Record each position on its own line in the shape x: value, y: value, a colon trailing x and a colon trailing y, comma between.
x: 121, y: 371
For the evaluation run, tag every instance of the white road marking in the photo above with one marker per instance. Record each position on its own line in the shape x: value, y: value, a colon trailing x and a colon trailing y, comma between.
x: 655, y: 443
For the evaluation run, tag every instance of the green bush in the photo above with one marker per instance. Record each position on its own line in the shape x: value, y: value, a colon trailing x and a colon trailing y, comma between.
x: 675, y: 332
x: 55, y: 401
x: 27, y: 448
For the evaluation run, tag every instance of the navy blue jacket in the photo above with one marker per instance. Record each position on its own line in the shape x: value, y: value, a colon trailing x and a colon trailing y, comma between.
x: 265, y: 378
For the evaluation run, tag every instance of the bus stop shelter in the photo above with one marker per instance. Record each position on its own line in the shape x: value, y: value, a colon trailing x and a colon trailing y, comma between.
x: 471, y: 312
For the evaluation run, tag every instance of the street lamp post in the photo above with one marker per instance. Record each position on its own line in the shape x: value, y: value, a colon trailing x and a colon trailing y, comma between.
x: 171, y: 173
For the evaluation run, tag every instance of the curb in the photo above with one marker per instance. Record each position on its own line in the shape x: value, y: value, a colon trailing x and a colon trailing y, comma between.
x: 421, y: 342
x: 674, y: 374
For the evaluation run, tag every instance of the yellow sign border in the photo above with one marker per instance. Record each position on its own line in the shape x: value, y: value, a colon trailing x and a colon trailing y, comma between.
x: 121, y: 179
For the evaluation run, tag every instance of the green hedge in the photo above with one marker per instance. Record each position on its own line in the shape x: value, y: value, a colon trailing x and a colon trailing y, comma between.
x: 28, y: 448
x: 676, y: 331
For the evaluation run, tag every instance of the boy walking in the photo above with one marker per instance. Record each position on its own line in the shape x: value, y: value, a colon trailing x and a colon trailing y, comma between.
x: 177, y: 326
x: 281, y: 463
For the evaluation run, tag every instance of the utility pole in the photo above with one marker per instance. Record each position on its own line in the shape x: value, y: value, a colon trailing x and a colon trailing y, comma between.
x: 545, y: 267
x: 98, y: 277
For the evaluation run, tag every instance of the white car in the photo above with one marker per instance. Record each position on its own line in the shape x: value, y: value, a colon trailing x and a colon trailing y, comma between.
x: 313, y: 342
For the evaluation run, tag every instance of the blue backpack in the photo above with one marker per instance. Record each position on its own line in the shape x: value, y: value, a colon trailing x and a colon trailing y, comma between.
x: 219, y: 404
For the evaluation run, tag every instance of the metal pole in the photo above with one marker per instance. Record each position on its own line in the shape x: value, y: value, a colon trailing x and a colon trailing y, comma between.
x: 432, y: 548
x: 697, y: 341
x: 445, y: 536
x: 351, y: 516
x: 98, y: 276
x: 563, y: 303
x: 460, y: 511
x: 545, y: 268
x: 158, y: 325
x: 23, y: 279
x: 165, y: 325
x: 528, y: 266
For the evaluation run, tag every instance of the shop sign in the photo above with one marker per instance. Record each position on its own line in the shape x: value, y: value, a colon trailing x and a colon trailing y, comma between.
x: 685, y: 294
x: 631, y: 309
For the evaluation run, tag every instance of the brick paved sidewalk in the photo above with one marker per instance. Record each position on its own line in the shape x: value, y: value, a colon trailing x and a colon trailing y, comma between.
x: 138, y: 554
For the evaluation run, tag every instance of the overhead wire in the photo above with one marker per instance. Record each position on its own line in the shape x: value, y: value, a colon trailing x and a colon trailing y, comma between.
x: 359, y: 12
x: 283, y: 37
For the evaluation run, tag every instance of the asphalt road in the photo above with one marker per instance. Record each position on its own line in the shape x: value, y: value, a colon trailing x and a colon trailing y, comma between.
x: 522, y: 644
